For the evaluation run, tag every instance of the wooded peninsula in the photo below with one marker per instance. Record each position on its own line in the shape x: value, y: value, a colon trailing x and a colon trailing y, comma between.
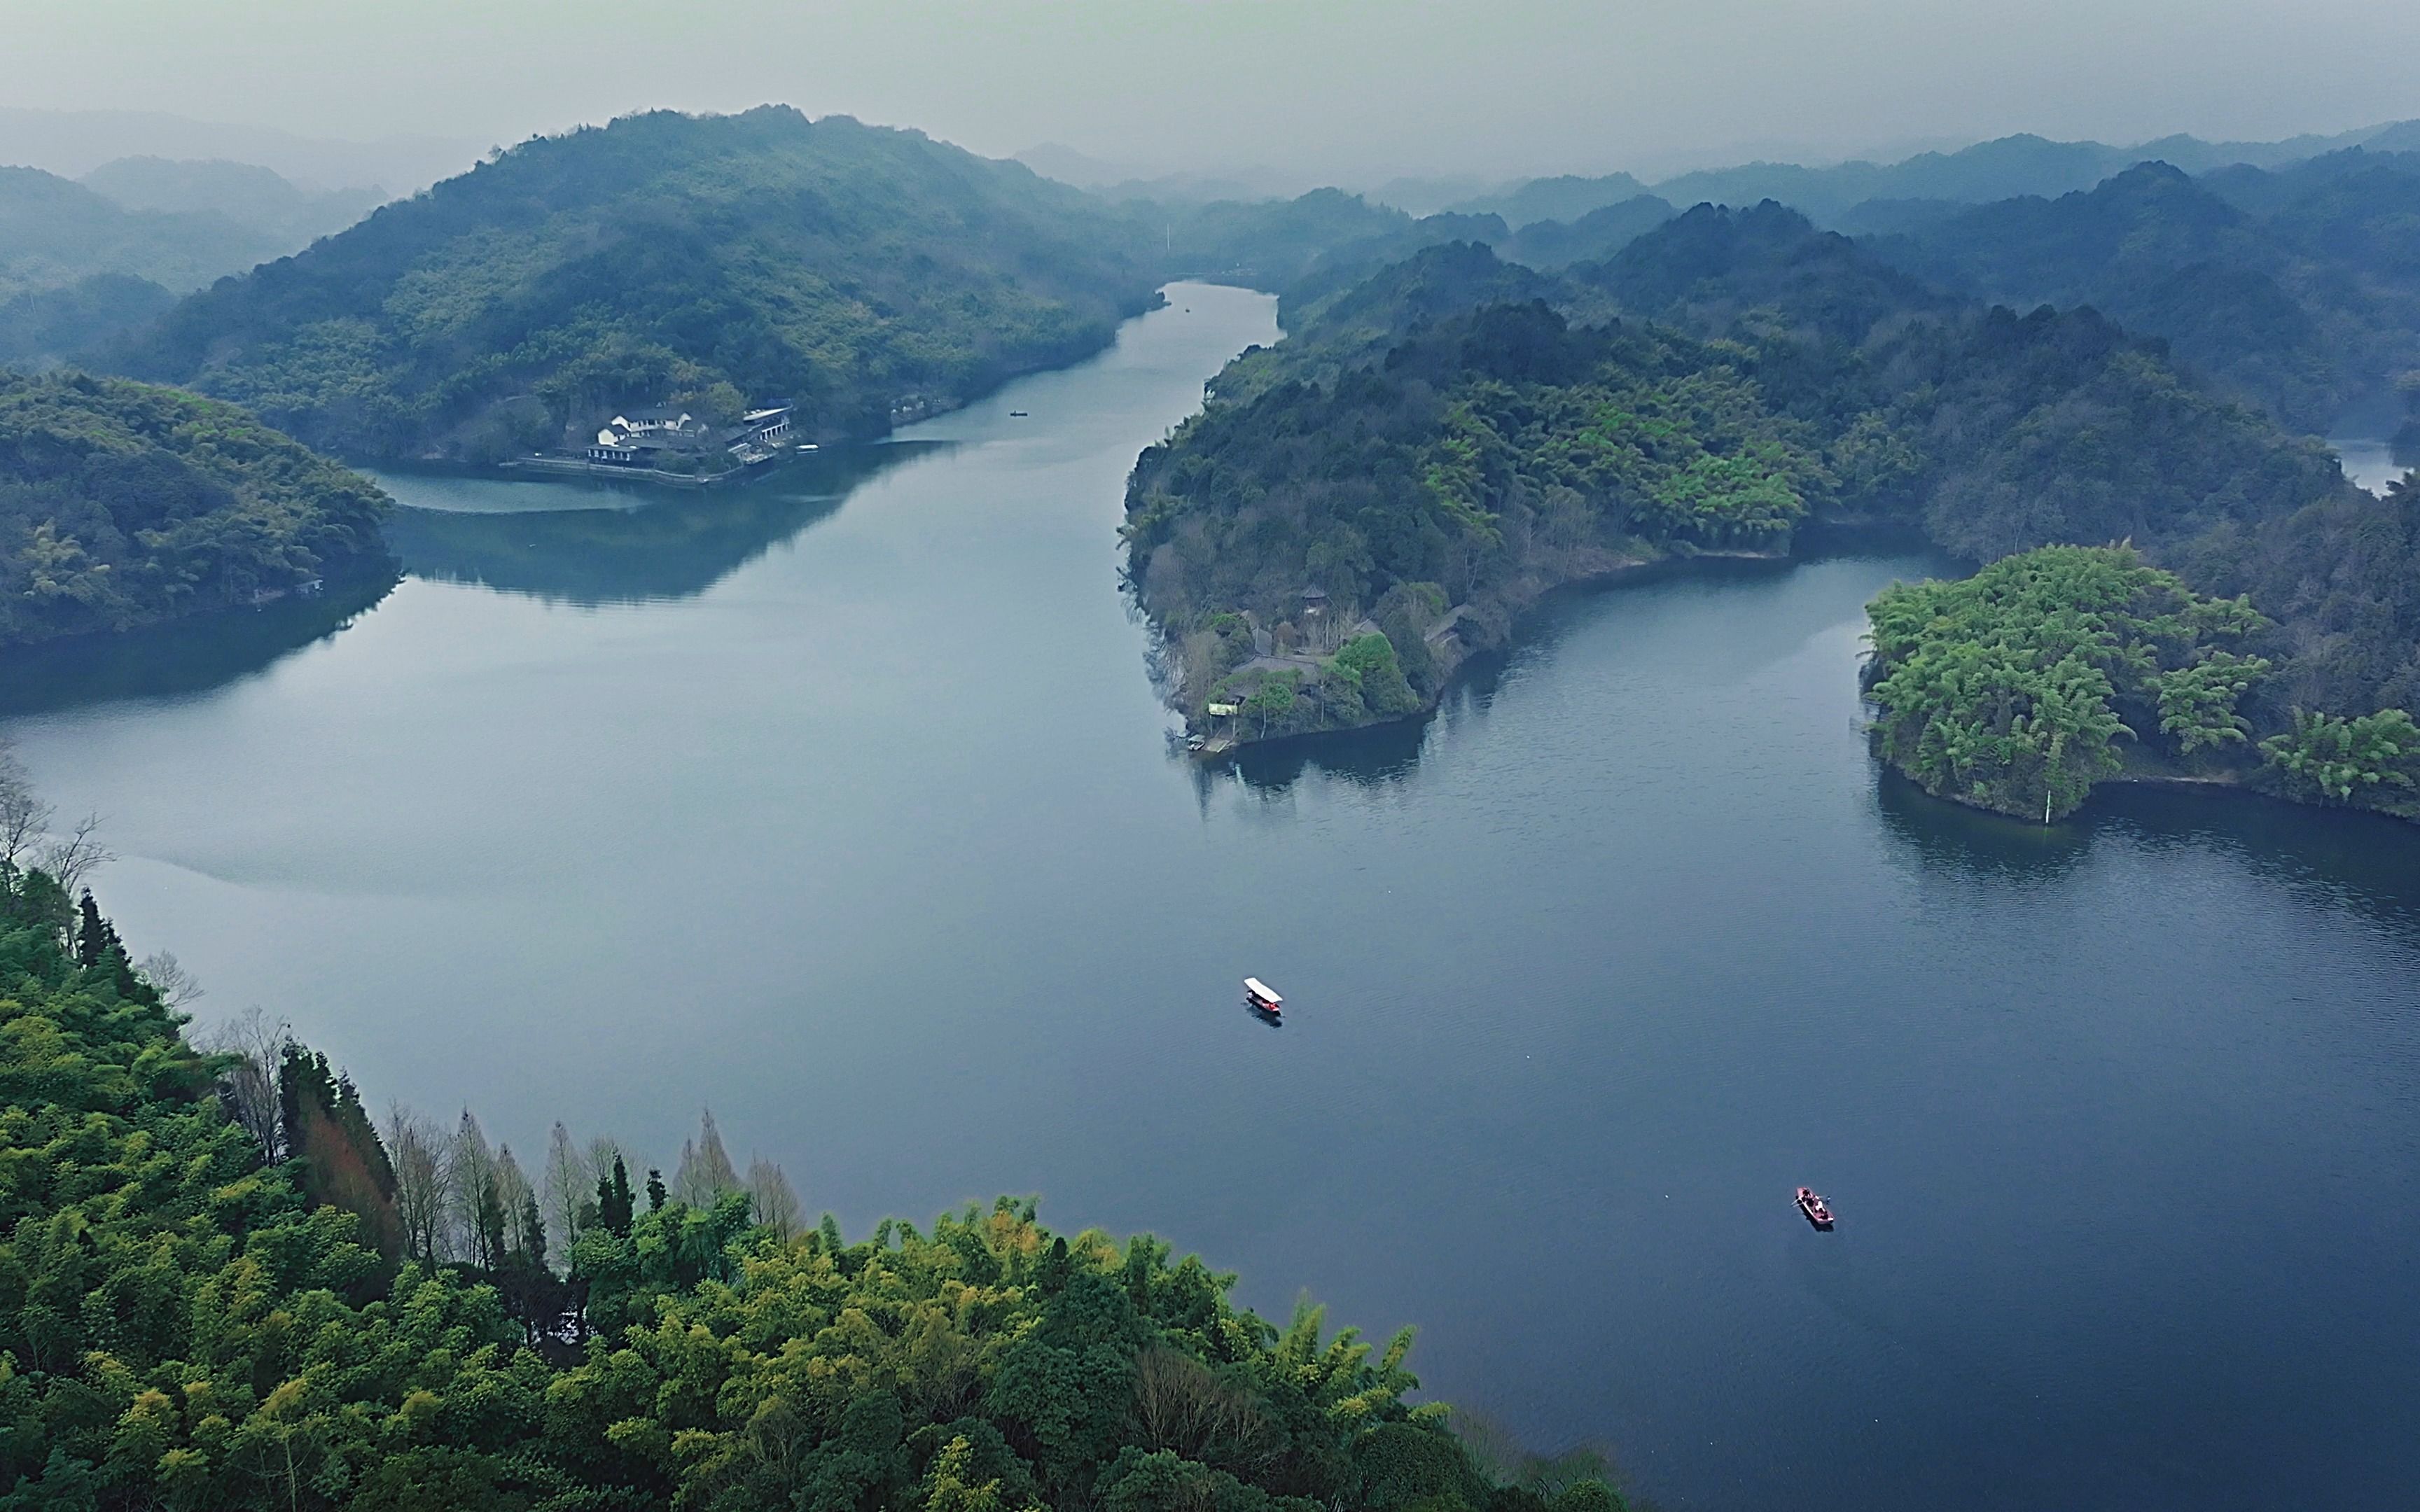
x: 1437, y: 447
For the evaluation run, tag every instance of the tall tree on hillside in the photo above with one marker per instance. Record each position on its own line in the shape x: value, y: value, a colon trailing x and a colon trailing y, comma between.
x: 342, y: 1162
x: 168, y: 979
x: 705, y: 1172
x: 566, y: 1188
x: 92, y: 931
x: 515, y: 1199
x: 614, y: 1208
x: 479, y: 1222
x: 776, y: 1206
x: 250, y: 1047
x: 423, y: 1199
x: 23, y: 816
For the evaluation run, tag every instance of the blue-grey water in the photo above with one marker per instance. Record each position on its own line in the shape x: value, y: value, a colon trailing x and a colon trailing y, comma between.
x: 844, y: 806
x: 2370, y: 463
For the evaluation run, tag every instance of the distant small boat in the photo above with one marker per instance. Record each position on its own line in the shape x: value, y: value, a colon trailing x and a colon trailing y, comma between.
x: 808, y: 446
x: 1017, y: 414
x: 1818, y: 1212
x: 1262, y: 996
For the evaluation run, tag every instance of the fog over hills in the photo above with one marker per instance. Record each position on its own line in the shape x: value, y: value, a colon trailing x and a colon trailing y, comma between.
x: 73, y: 142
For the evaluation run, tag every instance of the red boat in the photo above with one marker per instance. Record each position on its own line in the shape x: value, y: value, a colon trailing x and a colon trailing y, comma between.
x: 1818, y: 1212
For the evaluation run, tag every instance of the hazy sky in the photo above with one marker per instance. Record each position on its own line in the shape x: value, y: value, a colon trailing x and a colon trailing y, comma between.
x: 1338, y: 88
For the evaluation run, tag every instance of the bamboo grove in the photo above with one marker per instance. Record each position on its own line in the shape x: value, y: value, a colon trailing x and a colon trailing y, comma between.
x: 220, y: 1288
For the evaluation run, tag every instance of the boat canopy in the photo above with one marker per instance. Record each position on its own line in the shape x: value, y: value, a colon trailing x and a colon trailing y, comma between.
x: 1260, y: 990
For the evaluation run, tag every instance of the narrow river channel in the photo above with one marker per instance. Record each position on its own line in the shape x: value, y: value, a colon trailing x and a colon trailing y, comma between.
x: 844, y: 806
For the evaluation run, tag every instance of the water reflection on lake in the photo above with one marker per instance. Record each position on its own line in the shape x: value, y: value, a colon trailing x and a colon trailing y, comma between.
x: 596, y: 543
x: 851, y: 814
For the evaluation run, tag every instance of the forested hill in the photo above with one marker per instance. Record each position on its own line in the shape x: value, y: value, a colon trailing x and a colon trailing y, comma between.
x: 2298, y: 288
x: 126, y: 504
x: 54, y: 232
x: 221, y: 1288
x: 708, y: 261
x: 1766, y: 374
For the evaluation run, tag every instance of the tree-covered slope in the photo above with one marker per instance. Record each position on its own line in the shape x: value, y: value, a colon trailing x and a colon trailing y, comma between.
x: 124, y: 504
x: 43, y: 327
x: 1435, y: 462
x: 2299, y: 289
x: 220, y: 1290
x: 710, y: 261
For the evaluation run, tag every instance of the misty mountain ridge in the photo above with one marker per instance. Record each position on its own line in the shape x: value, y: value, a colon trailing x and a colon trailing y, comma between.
x: 2298, y: 288
x: 73, y: 142
x: 82, y: 260
x: 55, y: 232
x: 244, y: 192
x: 2002, y: 168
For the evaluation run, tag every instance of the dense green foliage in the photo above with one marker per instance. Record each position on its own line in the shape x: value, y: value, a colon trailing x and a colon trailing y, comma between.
x: 1490, y: 453
x: 2012, y: 689
x: 2368, y: 760
x: 706, y: 261
x: 43, y: 326
x: 122, y: 504
x: 212, y: 1300
x: 1491, y: 430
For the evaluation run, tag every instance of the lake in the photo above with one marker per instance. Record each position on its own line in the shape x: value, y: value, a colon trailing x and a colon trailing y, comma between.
x: 844, y: 806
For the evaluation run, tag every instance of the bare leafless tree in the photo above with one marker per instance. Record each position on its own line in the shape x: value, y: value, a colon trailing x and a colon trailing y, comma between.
x: 777, y: 1205
x: 1184, y: 1405
x: 518, y: 1201
x: 172, y: 981
x: 603, y: 1151
x: 416, y: 1146
x: 249, y: 1085
x: 24, y: 818
x: 71, y: 857
x: 567, y: 1186
x: 705, y: 1171
x: 470, y: 1182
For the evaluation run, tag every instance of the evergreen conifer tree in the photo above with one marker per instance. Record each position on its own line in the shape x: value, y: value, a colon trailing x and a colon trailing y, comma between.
x: 655, y: 1190
x: 613, y: 1204
x: 92, y: 937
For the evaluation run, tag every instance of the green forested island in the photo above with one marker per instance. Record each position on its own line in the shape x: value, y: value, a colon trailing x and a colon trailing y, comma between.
x: 2014, y: 689
x: 124, y: 504
x: 708, y: 262
x: 221, y: 1288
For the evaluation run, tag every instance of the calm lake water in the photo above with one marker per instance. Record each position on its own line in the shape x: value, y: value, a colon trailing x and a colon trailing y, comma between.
x: 844, y: 806
x: 2369, y: 463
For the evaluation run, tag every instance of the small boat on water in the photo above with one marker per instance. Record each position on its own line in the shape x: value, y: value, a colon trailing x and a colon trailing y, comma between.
x: 1017, y: 414
x: 1261, y: 995
x: 1818, y: 1212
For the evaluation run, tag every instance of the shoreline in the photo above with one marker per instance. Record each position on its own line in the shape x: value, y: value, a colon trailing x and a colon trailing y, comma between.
x: 2230, y: 785
x: 1629, y: 572
x: 1620, y: 573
